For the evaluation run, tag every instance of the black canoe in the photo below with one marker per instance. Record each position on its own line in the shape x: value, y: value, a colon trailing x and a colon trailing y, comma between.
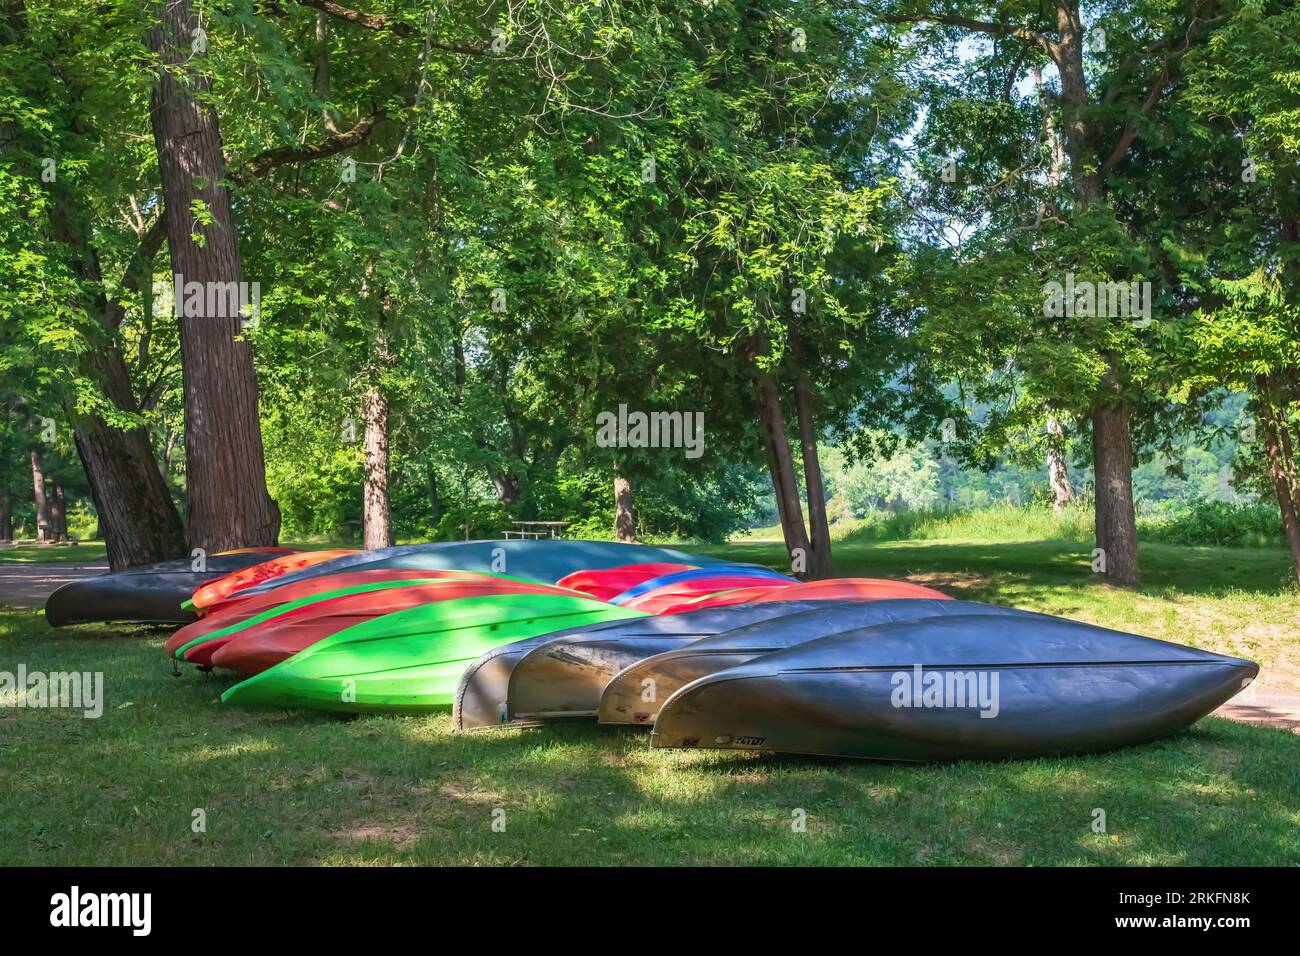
x: 481, y: 697
x: 150, y: 593
x: 954, y: 688
x: 634, y: 694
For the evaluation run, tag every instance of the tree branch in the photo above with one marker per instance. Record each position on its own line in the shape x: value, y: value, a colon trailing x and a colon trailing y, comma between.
x: 379, y: 21
x: 283, y: 155
x: 980, y: 26
x: 1130, y: 129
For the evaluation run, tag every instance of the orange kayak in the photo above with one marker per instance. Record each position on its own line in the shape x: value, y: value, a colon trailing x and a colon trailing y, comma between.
x: 257, y: 648
x: 214, y: 591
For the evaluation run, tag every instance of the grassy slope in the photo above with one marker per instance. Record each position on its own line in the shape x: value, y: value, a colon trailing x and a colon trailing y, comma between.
x: 295, y: 788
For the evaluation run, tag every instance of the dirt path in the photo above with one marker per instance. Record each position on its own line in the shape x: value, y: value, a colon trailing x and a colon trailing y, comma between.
x: 28, y: 585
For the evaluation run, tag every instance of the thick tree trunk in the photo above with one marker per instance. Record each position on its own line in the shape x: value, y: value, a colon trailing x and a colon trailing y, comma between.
x: 1280, y: 474
x: 6, y: 518
x: 42, y: 501
x: 624, y: 513
x: 1112, y: 455
x: 776, y: 444
x: 1058, y: 472
x: 227, y: 505
x: 819, y: 558
x: 377, y: 513
x: 139, y: 521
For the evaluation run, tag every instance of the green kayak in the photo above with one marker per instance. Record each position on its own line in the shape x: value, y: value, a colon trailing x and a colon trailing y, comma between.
x: 410, y: 661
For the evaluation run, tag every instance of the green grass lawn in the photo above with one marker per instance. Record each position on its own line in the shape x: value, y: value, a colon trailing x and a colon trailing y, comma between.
x: 299, y: 788
x: 89, y: 552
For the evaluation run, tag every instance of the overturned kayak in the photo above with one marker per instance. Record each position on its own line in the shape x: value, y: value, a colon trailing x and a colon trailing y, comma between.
x: 215, y: 591
x: 954, y: 688
x: 700, y: 581
x: 254, y: 649
x: 606, y: 583
x: 235, y: 613
x: 564, y: 677
x: 546, y: 561
x: 481, y: 694
x: 410, y: 661
x: 150, y: 593
x: 830, y: 589
x: 634, y: 694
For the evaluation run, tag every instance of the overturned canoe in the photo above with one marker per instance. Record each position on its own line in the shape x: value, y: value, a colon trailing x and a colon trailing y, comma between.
x: 546, y: 561
x: 150, y: 593
x: 214, y: 591
x: 606, y: 583
x: 254, y: 649
x: 954, y: 688
x: 481, y: 694
x: 564, y: 677
x: 829, y: 589
x: 410, y: 661
x: 634, y: 694
x: 701, y: 581
x: 236, y: 612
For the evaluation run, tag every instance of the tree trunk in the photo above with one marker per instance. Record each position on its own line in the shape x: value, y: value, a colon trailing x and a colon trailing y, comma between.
x: 58, y: 514
x: 819, y: 558
x: 1286, y: 499
x: 377, y: 513
x: 227, y: 505
x: 624, y: 513
x: 1112, y: 455
x: 1058, y: 472
x: 42, y: 502
x: 6, y: 518
x: 139, y: 521
x: 776, y: 444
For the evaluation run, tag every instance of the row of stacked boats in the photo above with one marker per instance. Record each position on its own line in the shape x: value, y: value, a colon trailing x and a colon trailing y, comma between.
x: 704, y: 653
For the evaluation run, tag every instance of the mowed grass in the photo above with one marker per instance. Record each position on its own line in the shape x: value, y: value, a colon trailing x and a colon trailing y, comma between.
x: 89, y: 552
x: 299, y: 788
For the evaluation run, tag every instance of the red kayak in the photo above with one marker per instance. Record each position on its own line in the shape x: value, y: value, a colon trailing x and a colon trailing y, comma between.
x: 606, y: 583
x: 830, y: 589
x: 264, y: 645
x: 238, y: 608
x: 221, y: 588
x: 670, y: 595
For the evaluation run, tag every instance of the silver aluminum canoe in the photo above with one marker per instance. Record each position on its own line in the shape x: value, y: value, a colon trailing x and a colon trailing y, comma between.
x: 634, y: 694
x: 563, y: 677
x: 954, y: 688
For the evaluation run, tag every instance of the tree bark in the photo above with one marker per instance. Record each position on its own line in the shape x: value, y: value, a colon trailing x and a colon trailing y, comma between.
x: 776, y: 444
x: 42, y: 501
x: 378, y: 517
x: 1278, y: 472
x: 624, y: 513
x: 819, y: 557
x: 1058, y: 472
x: 6, y: 518
x: 1112, y: 455
x: 227, y: 504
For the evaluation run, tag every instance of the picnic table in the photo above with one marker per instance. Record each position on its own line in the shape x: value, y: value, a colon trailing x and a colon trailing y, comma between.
x: 537, y: 529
